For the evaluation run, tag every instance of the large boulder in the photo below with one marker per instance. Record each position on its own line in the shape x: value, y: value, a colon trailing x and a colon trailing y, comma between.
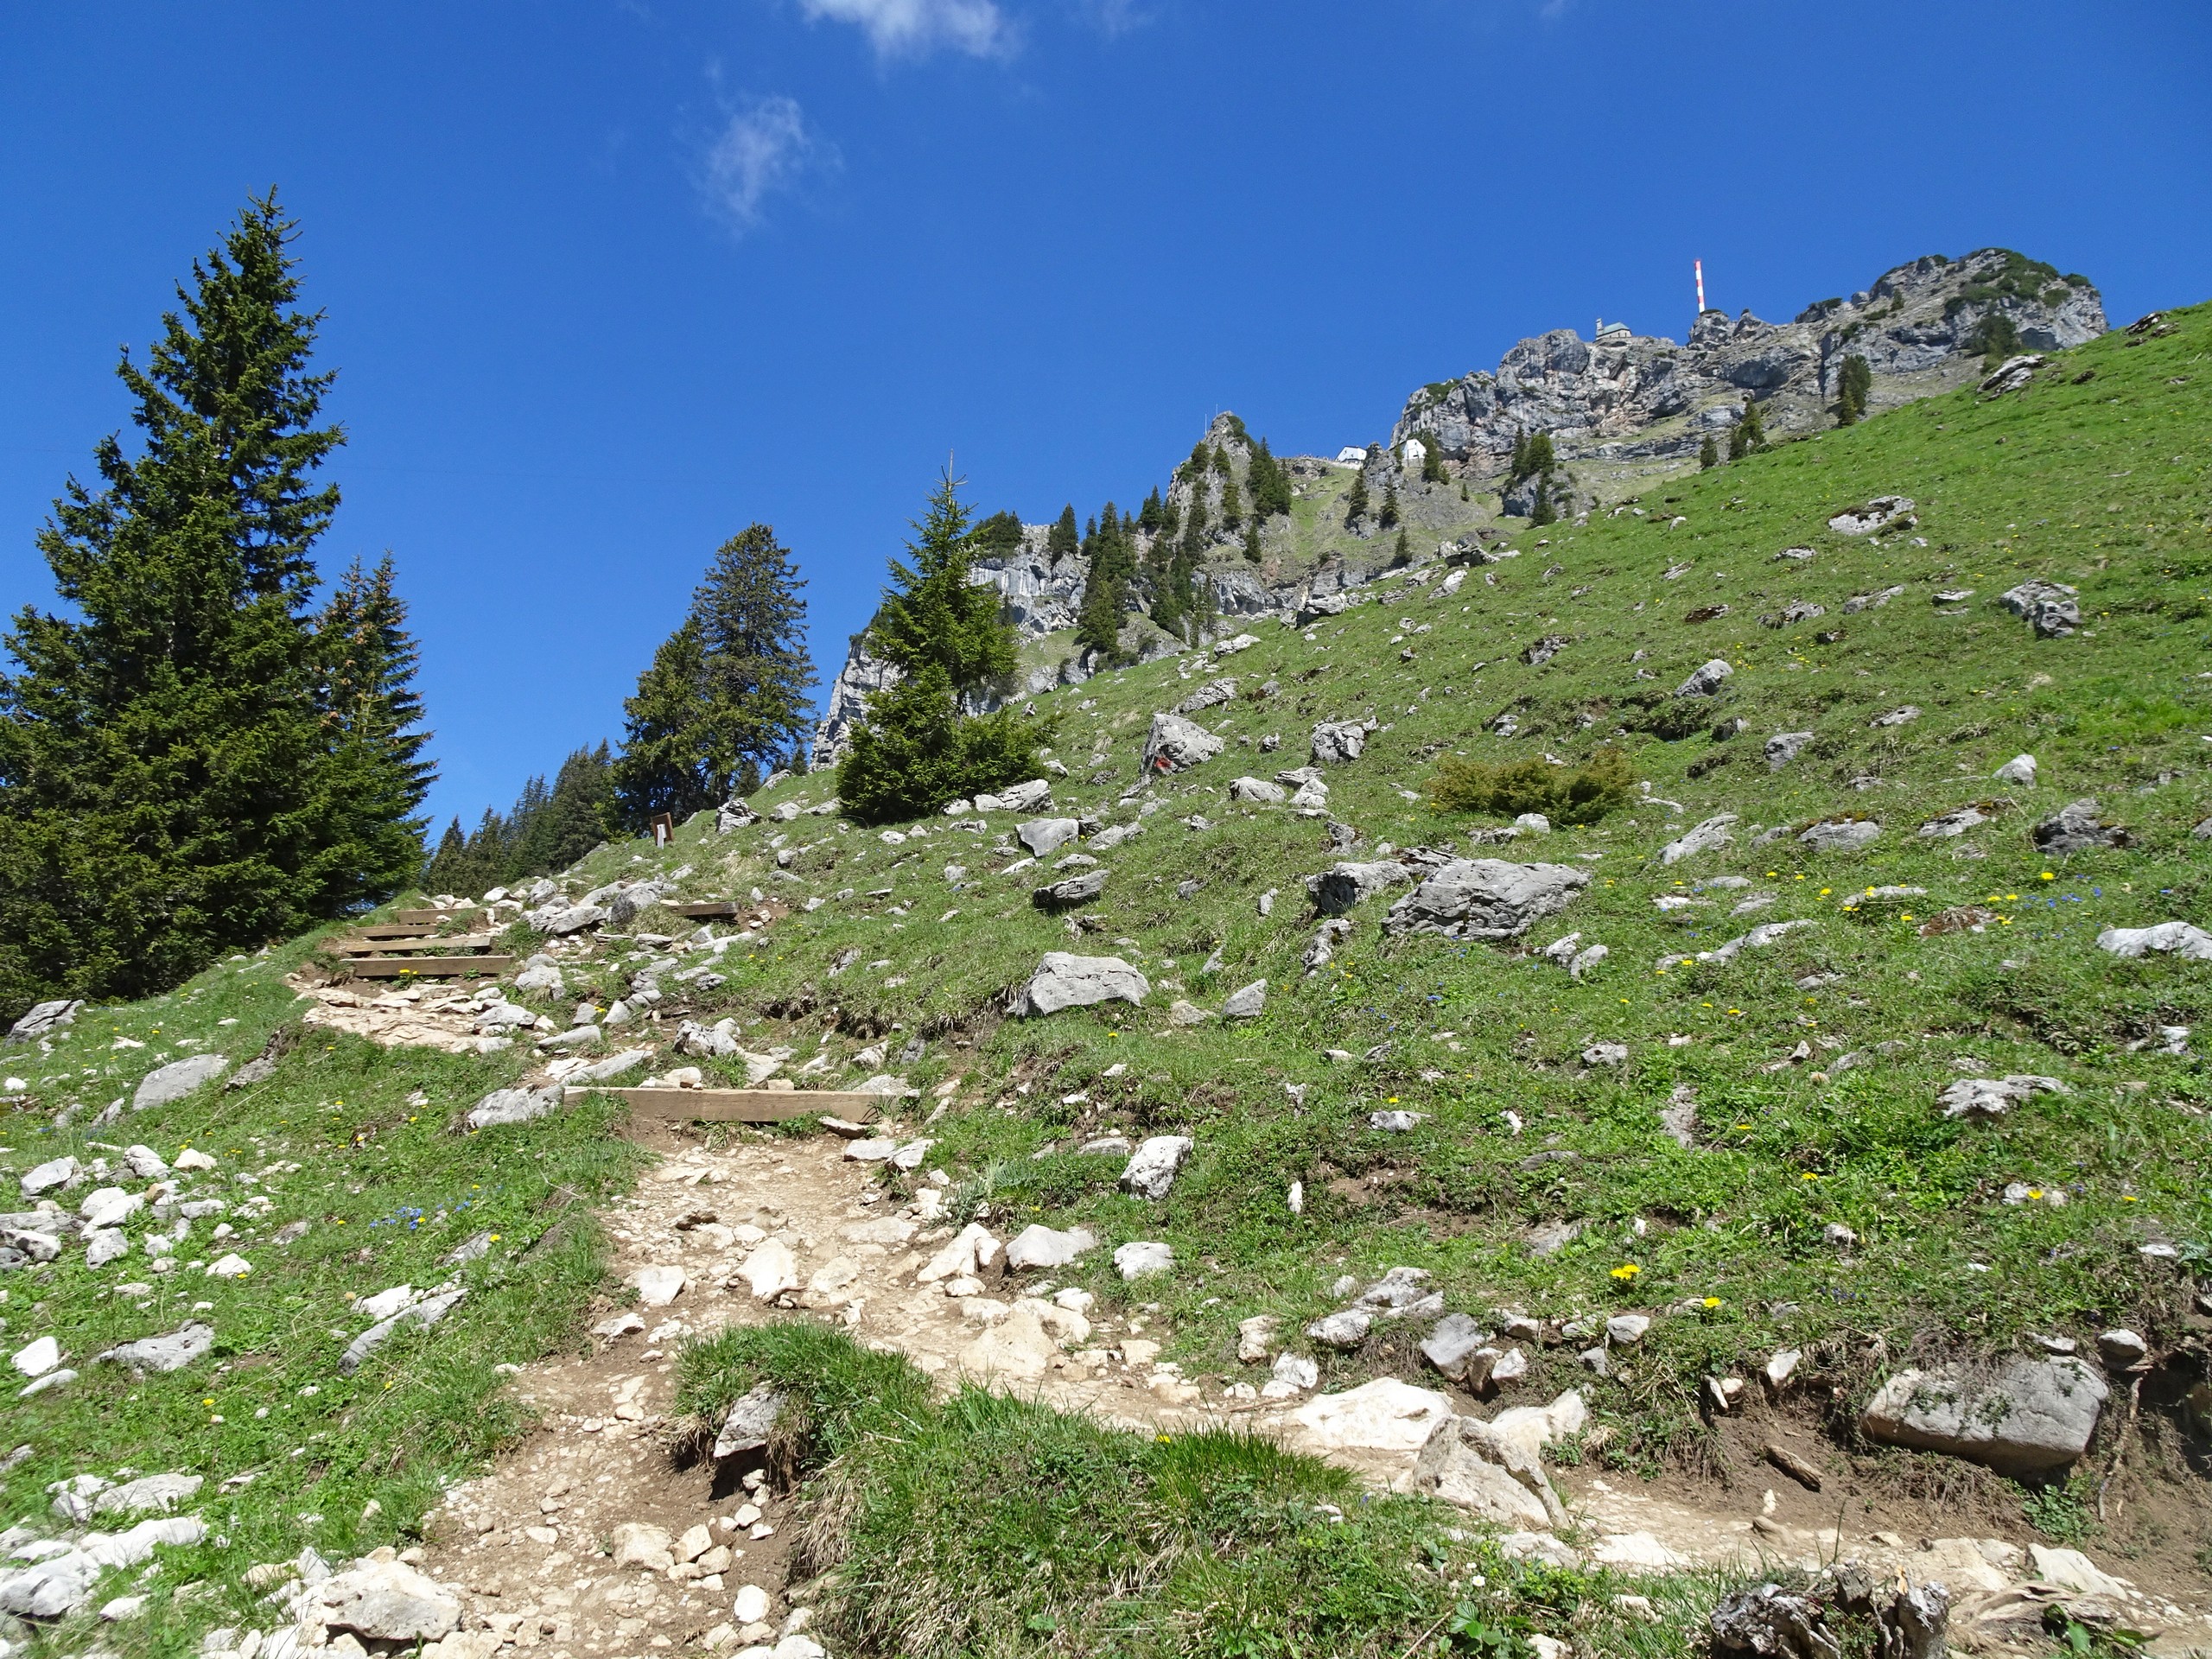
x: 2025, y: 1416
x: 1076, y: 890
x: 1043, y: 836
x: 1207, y: 696
x: 177, y: 1079
x: 1485, y: 899
x: 1340, y: 887
x: 1175, y: 744
x: 1065, y: 981
x: 1383, y: 1415
x: 170, y: 1353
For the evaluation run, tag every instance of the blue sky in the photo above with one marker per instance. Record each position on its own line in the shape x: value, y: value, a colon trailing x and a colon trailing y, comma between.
x: 607, y: 283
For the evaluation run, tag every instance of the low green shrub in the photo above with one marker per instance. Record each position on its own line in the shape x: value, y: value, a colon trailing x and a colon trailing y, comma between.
x: 1566, y: 796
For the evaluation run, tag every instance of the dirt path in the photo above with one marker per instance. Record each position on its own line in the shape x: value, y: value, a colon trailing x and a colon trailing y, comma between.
x: 547, y: 1545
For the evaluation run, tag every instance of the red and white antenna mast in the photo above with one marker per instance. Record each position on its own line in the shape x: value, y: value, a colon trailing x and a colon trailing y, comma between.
x: 1699, y: 264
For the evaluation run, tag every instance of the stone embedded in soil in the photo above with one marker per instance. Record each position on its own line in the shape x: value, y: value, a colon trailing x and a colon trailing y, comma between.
x: 1151, y: 1169
x: 1141, y: 1258
x: 2023, y: 1416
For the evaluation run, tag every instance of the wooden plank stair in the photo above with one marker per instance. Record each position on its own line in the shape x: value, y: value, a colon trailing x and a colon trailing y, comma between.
x: 427, y: 967
x: 748, y: 1105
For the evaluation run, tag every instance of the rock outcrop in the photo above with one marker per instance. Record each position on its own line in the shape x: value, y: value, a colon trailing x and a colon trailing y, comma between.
x: 1625, y: 396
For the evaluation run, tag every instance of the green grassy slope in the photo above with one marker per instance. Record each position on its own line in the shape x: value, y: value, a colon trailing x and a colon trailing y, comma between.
x: 2096, y: 475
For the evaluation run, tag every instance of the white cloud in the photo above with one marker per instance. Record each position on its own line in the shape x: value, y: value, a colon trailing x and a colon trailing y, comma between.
x: 900, y: 28
x: 767, y: 147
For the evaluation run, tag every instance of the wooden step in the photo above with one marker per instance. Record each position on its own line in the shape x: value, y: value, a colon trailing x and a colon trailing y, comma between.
x: 749, y: 1105
x: 427, y: 967
x: 431, y: 918
x: 396, y: 929
x: 443, y: 944
x: 706, y: 907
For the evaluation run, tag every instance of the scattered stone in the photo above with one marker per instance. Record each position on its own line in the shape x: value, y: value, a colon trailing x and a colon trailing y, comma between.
x: 1713, y: 833
x: 2021, y: 1416
x: 423, y: 1315
x: 2052, y: 608
x: 1175, y: 744
x: 1707, y: 680
x: 161, y: 1493
x: 2076, y: 828
x: 657, y: 1286
x: 1076, y: 890
x: 1256, y: 1339
x: 750, y: 1421
x: 1988, y: 1097
x: 1208, y: 696
x: 1839, y: 835
x: 1485, y: 899
x: 2020, y: 769
x: 1606, y: 1054
x: 771, y: 1270
x: 159, y: 1354
x: 177, y: 1079
x: 1904, y: 716
x: 1038, y: 1246
x: 1772, y: 1624
x: 1877, y: 514
x: 1383, y: 1415
x: 2012, y: 374
x: 1063, y: 981
x: 1141, y: 1258
x: 1246, y: 1003
x: 2120, y: 1348
x: 386, y: 1601
x: 1258, y: 790
x: 2181, y: 939
x: 1783, y: 747
x: 1151, y: 1169
x: 42, y: 1018
x: 47, y: 1177
x: 1043, y: 836
x: 1466, y: 1462
x: 503, y: 1107
x: 1395, y: 1121
x: 1344, y: 1331
x: 1339, y: 742
x: 1959, y: 820
x: 1452, y: 1345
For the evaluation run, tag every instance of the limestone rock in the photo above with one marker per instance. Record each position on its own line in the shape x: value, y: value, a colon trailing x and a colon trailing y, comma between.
x: 2076, y: 828
x: 1874, y: 516
x: 1707, y: 680
x: 423, y: 1315
x: 750, y: 1420
x: 1338, y: 743
x: 1346, y: 1329
x: 1453, y: 1345
x: 41, y: 1019
x: 47, y: 1177
x: 1783, y: 747
x: 771, y: 1270
x: 1208, y: 696
x: 1152, y: 1168
x: 2052, y: 608
x: 1141, y: 1258
x: 1045, y: 836
x: 2020, y: 769
x: 177, y: 1079
x: 1839, y: 835
x: 386, y: 1601
x: 1038, y: 1246
x: 2012, y: 374
x: 1175, y: 744
x: 2022, y: 1417
x: 640, y: 1545
x: 170, y: 1353
x: 1063, y: 981
x: 1076, y: 890
x: 1711, y: 834
x: 1246, y: 1003
x: 2181, y: 939
x: 1383, y: 1415
x: 509, y: 1106
x: 1485, y: 899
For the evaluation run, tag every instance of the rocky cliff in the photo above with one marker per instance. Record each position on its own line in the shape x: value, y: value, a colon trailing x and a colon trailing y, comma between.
x: 1921, y: 328
x: 1644, y: 401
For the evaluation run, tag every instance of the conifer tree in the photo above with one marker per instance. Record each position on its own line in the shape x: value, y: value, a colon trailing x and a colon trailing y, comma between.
x: 1546, y: 511
x: 1267, y: 483
x: 1148, y: 515
x: 1432, y: 461
x: 1252, y: 540
x: 1519, y: 469
x: 1232, y: 505
x: 175, y: 779
x: 916, y: 748
x: 665, y: 765
x: 1402, y: 553
x: 374, y: 778
x: 1708, y: 454
x: 1749, y: 434
x: 1388, y: 516
x: 1356, y: 498
x: 1063, y: 539
x: 1855, y: 383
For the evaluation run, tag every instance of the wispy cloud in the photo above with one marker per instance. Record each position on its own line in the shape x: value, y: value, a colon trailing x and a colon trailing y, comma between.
x: 913, y: 29
x: 767, y: 147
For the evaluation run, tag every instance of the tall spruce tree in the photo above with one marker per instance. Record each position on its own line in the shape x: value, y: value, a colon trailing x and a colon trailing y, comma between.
x: 176, y: 779
x: 374, y: 778
x: 917, y: 747
x: 1356, y: 498
x: 1708, y: 454
x: 1063, y: 539
x: 1853, y: 385
x: 725, y: 694
x: 1749, y: 435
